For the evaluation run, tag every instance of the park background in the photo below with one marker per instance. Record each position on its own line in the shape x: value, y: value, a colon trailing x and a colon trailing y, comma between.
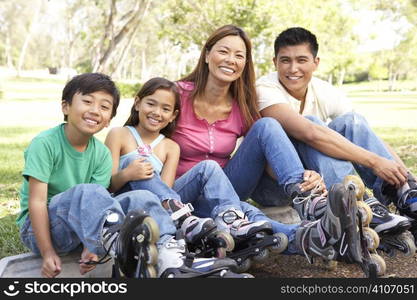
x: 367, y: 48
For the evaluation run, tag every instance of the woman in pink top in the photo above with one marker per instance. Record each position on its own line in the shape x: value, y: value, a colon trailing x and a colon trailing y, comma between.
x: 218, y: 106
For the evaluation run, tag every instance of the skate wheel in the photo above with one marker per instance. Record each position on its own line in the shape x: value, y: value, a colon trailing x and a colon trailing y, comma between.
x: 372, y: 238
x: 227, y: 238
x: 380, y: 264
x: 221, y: 252
x: 244, y: 266
x: 150, y: 272
x: 357, y: 183
x: 282, y: 243
x: 366, y: 213
x: 262, y: 255
x: 330, y: 265
x: 153, y: 229
x: 152, y: 258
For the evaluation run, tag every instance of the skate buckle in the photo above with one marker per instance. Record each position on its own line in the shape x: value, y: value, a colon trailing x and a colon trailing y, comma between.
x: 186, y: 209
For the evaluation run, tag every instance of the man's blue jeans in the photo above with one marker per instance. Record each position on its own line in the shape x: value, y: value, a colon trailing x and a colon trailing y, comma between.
x: 77, y: 216
x: 356, y: 129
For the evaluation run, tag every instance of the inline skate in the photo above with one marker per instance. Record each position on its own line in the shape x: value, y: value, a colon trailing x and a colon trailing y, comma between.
x: 174, y: 261
x: 369, y: 239
x: 335, y: 236
x: 391, y: 228
x: 253, y: 240
x: 131, y: 244
x: 201, y: 234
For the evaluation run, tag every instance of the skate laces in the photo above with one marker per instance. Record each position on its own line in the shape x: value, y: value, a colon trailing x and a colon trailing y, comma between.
x: 308, y: 200
x: 111, y: 234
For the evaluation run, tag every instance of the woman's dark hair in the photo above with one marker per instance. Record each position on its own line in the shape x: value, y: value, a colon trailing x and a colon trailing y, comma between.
x: 150, y: 87
x: 243, y: 88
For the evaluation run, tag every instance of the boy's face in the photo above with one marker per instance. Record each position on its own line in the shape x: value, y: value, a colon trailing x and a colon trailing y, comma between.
x: 295, y: 66
x: 89, y: 113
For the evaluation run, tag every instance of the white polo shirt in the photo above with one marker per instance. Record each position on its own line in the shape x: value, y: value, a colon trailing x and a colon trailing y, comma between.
x: 322, y: 100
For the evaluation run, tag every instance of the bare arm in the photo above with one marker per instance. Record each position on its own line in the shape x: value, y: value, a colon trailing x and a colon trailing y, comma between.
x: 169, y: 169
x: 137, y: 169
x: 38, y: 212
x: 333, y: 144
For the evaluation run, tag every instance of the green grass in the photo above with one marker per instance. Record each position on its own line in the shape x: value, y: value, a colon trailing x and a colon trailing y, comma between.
x: 392, y: 115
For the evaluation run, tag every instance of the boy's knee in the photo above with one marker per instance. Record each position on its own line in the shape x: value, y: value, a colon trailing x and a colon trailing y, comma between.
x: 266, y: 122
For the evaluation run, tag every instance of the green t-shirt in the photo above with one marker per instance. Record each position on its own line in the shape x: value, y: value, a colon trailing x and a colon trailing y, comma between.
x: 50, y: 158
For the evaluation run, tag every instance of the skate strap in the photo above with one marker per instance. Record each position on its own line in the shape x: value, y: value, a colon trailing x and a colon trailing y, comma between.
x: 189, y: 259
x: 186, y: 209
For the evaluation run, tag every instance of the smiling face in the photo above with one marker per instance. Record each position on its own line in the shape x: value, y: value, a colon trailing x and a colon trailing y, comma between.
x: 156, y: 111
x: 226, y: 59
x: 88, y: 114
x: 295, y: 66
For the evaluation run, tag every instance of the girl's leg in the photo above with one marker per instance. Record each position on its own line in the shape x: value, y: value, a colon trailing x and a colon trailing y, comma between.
x: 154, y: 185
x: 207, y: 188
x: 266, y: 142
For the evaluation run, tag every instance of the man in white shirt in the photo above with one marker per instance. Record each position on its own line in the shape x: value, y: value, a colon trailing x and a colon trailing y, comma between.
x: 304, y: 105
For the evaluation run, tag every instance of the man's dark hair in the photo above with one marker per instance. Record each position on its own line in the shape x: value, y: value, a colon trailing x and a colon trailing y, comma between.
x: 296, y: 36
x: 88, y: 83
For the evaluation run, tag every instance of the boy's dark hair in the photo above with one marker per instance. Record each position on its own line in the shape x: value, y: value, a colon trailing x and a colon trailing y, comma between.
x: 88, y: 83
x: 296, y: 36
x: 150, y: 87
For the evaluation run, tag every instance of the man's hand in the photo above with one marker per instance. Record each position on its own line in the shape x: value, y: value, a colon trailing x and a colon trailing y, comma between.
x: 312, y: 180
x: 87, y: 256
x: 51, y: 265
x: 390, y: 171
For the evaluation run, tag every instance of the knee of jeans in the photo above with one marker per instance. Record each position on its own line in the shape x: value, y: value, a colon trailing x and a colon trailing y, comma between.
x: 146, y: 195
x: 315, y: 119
x: 209, y: 166
x: 268, y: 126
x: 350, y: 120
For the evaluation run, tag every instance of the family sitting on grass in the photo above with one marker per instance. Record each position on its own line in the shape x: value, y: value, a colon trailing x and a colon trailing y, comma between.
x: 166, y: 195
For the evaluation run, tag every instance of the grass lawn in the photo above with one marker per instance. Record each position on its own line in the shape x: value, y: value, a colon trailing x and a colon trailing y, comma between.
x: 32, y: 105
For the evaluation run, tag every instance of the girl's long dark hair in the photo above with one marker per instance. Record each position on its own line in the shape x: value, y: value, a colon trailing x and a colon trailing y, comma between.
x: 242, y: 89
x: 150, y: 87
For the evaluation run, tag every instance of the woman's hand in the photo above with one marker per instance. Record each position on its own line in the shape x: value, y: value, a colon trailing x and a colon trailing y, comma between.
x: 312, y: 180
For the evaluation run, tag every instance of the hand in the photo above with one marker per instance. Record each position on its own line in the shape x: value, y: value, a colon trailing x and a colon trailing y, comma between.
x: 139, y: 169
x: 390, y: 171
x: 87, y: 256
x: 51, y: 265
x: 312, y: 180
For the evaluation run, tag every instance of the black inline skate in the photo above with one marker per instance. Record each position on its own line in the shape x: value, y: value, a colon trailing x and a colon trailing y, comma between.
x: 391, y: 228
x: 131, y: 244
x: 174, y: 261
x: 335, y: 236
x: 253, y: 240
x: 201, y: 234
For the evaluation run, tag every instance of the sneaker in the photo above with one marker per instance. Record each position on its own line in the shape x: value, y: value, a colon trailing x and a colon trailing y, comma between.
x: 175, y: 262
x: 236, y: 223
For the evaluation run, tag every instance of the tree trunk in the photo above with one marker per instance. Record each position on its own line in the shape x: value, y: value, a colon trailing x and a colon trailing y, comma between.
x: 137, y: 16
x: 28, y: 38
x: 9, y: 58
x: 341, y: 77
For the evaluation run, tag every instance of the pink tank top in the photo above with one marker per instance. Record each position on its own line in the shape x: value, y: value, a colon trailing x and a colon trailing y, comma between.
x: 200, y: 140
